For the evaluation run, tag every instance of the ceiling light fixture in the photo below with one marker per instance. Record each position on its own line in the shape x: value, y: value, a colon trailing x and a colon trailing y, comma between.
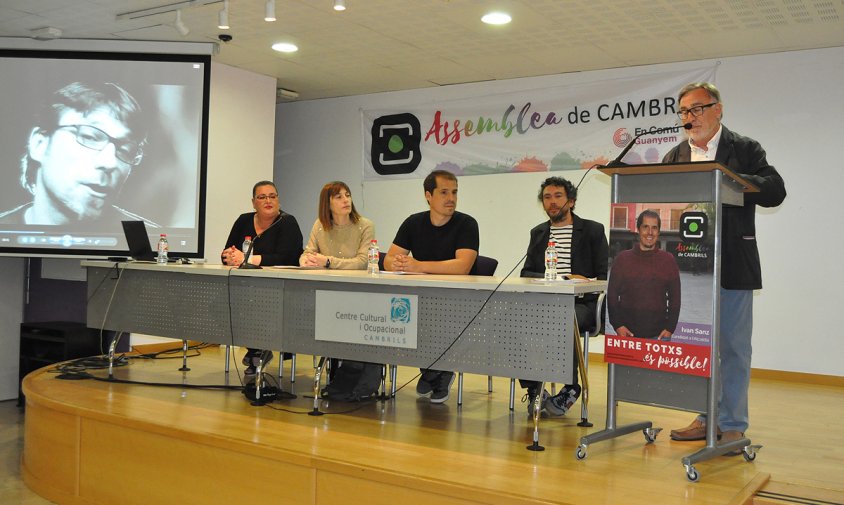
x: 223, y: 17
x: 285, y: 47
x: 180, y: 26
x: 46, y: 33
x: 496, y: 18
x: 339, y: 5
x: 286, y: 94
x: 269, y: 11
x: 163, y: 9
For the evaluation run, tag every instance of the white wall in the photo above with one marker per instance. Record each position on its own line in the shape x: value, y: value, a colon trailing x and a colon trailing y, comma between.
x: 790, y: 102
x: 241, y: 133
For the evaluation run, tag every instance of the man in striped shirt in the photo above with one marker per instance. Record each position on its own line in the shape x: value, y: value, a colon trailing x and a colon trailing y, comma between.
x: 582, y: 251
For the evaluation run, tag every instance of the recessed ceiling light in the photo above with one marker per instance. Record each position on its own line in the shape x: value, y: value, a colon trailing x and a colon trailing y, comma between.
x: 496, y: 18
x: 285, y: 47
x: 339, y: 5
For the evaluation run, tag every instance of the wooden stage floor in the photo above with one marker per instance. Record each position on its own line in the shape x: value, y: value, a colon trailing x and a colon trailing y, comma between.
x: 95, y: 442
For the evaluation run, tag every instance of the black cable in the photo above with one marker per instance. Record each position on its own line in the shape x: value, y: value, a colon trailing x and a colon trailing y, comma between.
x: 80, y: 365
x: 231, y: 323
x: 176, y: 351
x: 98, y: 286
x: 362, y: 404
x: 224, y: 387
x: 117, y: 276
x: 596, y: 165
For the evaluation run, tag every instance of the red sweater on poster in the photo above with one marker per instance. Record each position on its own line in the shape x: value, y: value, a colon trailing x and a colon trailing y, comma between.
x: 643, y: 294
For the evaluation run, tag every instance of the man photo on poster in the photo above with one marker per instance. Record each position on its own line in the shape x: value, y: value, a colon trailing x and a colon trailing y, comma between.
x: 643, y: 294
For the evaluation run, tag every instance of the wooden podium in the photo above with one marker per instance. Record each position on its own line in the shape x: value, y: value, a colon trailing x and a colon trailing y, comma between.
x: 702, y: 182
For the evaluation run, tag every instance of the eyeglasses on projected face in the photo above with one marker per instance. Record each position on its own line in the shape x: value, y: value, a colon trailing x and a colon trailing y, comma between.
x: 127, y: 151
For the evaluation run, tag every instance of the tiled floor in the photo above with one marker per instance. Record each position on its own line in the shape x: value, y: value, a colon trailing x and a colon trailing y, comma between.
x: 12, y: 489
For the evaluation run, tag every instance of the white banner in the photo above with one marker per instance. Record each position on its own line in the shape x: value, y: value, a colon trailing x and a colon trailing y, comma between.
x: 549, y: 129
x: 366, y: 318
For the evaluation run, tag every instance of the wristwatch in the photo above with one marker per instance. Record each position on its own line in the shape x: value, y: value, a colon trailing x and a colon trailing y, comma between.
x: 327, y: 262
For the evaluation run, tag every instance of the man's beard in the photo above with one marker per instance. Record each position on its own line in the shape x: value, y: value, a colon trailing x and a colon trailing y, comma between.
x: 558, y: 216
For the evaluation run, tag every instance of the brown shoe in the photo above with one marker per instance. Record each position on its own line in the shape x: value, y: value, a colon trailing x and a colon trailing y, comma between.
x: 732, y: 436
x: 694, y: 431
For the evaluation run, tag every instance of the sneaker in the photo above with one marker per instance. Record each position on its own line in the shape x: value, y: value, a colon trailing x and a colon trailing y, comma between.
x: 425, y: 386
x: 530, y: 398
x: 560, y: 404
x: 442, y: 387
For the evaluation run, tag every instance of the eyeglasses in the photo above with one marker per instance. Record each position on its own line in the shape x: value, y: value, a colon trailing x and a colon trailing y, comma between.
x: 694, y: 111
x: 93, y: 138
x: 261, y: 198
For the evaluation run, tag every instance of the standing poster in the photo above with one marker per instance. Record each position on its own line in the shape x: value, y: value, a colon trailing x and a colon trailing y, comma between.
x: 659, y: 294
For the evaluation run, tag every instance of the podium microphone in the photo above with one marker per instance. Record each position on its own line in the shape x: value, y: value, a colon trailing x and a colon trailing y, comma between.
x: 245, y: 265
x: 617, y: 161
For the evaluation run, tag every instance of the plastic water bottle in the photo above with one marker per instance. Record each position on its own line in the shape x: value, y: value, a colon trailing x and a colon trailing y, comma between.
x: 372, y: 258
x: 551, y: 261
x: 163, y: 248
x: 247, y: 242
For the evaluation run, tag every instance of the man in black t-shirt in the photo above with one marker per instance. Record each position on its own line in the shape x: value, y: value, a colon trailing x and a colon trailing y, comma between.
x: 438, y: 241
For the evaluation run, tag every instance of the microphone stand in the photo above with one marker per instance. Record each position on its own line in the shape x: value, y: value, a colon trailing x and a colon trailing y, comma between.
x: 246, y: 265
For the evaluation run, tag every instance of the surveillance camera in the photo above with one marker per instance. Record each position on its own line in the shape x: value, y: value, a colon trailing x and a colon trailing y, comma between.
x: 224, y: 37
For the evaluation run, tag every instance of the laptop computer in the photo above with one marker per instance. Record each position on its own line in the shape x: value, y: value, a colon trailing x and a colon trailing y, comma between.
x: 138, y: 241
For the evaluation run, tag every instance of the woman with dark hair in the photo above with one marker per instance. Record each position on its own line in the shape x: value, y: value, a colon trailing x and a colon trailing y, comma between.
x: 340, y: 236
x: 340, y: 239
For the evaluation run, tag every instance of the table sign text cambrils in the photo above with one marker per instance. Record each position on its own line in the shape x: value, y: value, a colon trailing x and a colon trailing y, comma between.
x: 367, y: 318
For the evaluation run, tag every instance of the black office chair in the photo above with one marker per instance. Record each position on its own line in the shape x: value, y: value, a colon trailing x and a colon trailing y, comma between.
x: 484, y: 265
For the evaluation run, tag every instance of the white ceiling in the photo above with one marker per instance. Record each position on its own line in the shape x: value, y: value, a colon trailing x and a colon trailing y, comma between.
x: 384, y: 45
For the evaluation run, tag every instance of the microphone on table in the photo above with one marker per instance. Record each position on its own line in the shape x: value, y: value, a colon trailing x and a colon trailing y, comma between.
x: 245, y: 265
x: 617, y: 161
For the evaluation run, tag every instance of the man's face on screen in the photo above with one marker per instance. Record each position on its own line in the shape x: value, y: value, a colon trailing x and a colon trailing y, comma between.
x: 81, y: 169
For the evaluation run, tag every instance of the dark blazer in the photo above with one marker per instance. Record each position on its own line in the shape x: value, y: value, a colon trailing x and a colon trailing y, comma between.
x: 740, y: 266
x: 589, y: 250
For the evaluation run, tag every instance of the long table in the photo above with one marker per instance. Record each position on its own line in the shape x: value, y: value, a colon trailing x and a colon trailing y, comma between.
x: 487, y: 325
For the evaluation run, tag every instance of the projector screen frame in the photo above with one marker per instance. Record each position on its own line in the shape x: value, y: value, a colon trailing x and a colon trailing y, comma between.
x: 196, y: 99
